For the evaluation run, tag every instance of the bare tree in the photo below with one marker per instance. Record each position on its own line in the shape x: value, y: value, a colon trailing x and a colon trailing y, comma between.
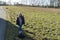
x: 58, y: 3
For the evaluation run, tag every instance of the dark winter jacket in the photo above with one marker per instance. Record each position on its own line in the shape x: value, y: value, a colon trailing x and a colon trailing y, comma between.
x: 20, y: 20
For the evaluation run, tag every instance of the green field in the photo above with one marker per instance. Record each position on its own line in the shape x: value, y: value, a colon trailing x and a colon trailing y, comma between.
x: 41, y: 23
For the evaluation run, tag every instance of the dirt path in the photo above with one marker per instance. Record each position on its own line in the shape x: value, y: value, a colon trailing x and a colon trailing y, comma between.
x: 2, y: 23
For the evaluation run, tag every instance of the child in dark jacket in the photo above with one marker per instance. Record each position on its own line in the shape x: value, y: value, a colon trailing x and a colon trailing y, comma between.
x: 20, y: 21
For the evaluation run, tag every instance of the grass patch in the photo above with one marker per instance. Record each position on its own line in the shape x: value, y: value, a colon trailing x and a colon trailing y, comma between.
x: 41, y: 23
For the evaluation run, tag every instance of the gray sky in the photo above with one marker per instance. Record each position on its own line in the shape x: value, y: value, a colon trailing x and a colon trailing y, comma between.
x: 28, y: 1
x: 12, y: 1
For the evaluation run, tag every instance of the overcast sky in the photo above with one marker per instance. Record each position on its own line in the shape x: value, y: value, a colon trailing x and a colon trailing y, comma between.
x: 11, y: 0
x: 24, y: 1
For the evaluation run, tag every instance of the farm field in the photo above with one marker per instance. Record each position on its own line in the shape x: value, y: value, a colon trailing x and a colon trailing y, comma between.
x: 40, y: 23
